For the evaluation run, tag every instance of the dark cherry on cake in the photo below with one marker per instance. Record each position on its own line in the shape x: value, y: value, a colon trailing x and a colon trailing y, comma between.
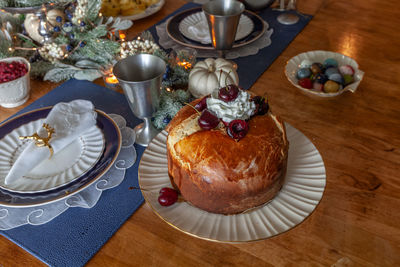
x: 262, y: 106
x: 237, y: 129
x: 208, y: 120
x: 202, y: 104
x: 228, y: 93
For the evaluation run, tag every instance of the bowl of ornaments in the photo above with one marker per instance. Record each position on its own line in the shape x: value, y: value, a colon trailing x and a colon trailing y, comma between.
x: 14, y: 81
x: 323, y: 73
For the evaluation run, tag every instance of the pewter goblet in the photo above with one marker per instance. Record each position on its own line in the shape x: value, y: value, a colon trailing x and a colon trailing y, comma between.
x: 223, y: 19
x: 140, y: 77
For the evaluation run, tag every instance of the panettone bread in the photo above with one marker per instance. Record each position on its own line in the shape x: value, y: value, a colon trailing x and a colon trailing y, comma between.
x: 219, y: 174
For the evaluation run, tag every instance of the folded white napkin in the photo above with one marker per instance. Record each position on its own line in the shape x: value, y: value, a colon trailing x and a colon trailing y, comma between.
x: 69, y: 121
x: 201, y: 31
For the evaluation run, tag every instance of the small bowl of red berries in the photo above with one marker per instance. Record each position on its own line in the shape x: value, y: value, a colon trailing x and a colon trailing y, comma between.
x: 323, y: 73
x: 14, y: 81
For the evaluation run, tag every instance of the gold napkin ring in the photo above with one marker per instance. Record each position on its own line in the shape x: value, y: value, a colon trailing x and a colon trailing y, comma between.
x: 42, y: 141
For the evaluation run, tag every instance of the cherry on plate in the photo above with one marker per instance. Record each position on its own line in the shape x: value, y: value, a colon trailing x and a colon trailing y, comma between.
x: 168, y: 196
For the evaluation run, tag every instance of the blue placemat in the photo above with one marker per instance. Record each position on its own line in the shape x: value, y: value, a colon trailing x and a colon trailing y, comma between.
x: 252, y: 67
x: 75, y: 236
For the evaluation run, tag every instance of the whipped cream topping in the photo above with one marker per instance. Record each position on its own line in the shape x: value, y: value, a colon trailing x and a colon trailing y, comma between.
x: 239, y: 109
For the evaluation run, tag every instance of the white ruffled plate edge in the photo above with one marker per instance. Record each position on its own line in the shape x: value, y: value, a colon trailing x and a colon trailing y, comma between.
x: 302, y: 191
x: 147, y: 12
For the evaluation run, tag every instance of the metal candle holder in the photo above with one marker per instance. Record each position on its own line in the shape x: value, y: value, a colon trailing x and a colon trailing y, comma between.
x: 43, y: 28
x: 41, y: 13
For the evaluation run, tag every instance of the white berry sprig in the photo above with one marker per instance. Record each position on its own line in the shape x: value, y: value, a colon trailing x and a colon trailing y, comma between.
x: 138, y: 46
x: 52, y: 52
x: 80, y: 11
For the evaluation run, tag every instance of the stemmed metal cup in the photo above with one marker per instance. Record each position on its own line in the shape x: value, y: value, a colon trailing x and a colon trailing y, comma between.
x: 140, y: 77
x: 223, y: 19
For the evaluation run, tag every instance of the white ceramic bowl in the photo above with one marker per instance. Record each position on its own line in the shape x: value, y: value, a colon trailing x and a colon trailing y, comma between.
x: 16, y: 92
x: 320, y: 56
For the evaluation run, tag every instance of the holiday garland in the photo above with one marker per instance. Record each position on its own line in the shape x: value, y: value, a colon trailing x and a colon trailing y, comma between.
x: 84, y: 45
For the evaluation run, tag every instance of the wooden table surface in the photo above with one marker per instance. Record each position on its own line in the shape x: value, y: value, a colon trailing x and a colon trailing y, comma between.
x: 357, y: 222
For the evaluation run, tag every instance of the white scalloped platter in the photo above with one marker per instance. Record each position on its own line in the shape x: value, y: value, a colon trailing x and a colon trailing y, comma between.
x: 320, y: 56
x: 302, y: 191
x: 195, y: 27
x: 61, y: 169
x: 154, y: 8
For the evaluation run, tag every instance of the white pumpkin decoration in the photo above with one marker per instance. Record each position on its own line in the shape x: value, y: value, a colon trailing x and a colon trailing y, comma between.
x: 210, y: 74
x: 31, y: 23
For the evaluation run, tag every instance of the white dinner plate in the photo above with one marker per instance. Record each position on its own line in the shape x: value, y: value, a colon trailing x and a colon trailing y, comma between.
x: 302, y: 190
x: 195, y: 27
x: 112, y: 145
x: 62, y: 168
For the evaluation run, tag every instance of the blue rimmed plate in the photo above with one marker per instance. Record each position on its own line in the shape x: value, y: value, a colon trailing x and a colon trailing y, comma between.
x: 112, y: 146
x: 175, y: 34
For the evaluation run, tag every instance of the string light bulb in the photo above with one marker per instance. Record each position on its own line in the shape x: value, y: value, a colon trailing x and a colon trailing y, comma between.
x: 185, y: 64
x: 122, y: 36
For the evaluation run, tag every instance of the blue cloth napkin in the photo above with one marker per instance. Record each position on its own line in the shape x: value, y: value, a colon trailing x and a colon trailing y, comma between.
x: 72, y: 238
x: 252, y: 67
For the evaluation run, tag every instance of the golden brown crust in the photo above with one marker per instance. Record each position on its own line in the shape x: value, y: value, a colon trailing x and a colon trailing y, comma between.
x: 218, y: 174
